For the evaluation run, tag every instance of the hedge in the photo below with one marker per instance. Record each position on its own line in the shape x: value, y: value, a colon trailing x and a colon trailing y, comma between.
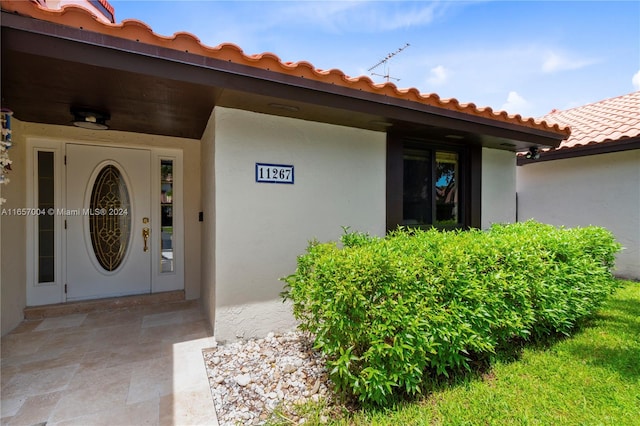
x: 391, y: 313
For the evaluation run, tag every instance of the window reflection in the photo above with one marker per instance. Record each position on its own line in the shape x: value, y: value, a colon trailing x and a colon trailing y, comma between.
x: 430, y: 188
x: 446, y: 190
x: 417, y: 203
x: 166, y: 216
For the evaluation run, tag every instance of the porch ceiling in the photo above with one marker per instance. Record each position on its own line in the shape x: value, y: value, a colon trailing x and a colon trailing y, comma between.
x: 43, y: 90
x: 48, y: 68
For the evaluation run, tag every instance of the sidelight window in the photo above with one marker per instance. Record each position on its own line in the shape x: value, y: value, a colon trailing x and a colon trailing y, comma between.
x: 167, y: 263
x: 46, y: 228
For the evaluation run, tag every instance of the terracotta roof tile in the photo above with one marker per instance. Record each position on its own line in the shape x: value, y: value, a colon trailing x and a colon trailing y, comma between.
x: 136, y: 30
x: 107, y: 6
x: 606, y: 121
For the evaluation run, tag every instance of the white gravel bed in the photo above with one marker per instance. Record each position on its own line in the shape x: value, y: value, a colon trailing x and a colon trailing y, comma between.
x: 250, y: 378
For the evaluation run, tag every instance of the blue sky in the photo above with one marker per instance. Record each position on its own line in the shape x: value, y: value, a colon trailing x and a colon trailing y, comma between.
x: 525, y: 57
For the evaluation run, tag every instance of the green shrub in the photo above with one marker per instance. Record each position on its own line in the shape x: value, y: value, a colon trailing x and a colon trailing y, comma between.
x: 391, y: 313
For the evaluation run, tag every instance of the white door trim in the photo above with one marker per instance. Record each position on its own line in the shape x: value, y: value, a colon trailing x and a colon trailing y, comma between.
x: 49, y: 293
x: 167, y: 281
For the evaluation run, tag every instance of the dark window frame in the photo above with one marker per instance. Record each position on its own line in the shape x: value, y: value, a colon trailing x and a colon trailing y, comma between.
x: 469, y: 195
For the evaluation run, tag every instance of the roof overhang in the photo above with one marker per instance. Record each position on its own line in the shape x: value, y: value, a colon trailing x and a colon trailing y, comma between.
x: 49, y: 68
x: 627, y: 144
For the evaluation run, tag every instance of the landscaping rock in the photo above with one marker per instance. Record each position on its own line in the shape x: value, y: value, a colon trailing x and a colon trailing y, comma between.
x: 249, y: 379
x: 243, y: 379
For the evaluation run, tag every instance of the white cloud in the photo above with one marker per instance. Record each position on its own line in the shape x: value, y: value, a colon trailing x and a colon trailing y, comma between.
x: 485, y: 75
x: 515, y: 104
x: 405, y: 19
x: 359, y: 16
x: 438, y: 75
x: 555, y: 61
x: 635, y: 80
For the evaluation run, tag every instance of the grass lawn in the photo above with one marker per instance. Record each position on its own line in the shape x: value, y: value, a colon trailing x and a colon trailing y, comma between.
x: 591, y: 378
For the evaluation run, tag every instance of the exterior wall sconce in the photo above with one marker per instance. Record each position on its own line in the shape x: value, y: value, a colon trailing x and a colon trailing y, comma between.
x: 90, y: 119
x: 533, y: 153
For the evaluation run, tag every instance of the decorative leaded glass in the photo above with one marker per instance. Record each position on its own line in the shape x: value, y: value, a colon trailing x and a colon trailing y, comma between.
x: 109, y: 230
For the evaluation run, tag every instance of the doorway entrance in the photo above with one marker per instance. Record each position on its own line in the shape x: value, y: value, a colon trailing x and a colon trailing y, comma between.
x: 108, y: 229
x: 109, y: 223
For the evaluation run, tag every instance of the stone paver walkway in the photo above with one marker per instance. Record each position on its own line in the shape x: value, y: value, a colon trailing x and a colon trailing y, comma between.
x: 134, y: 366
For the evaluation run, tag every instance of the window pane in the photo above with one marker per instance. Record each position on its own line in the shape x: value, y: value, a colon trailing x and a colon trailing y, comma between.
x: 417, y: 197
x: 166, y: 215
x: 46, y: 236
x: 110, y: 232
x: 446, y: 191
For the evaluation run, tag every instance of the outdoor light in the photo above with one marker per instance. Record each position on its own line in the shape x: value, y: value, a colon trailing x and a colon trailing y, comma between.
x: 90, y: 119
x: 533, y: 153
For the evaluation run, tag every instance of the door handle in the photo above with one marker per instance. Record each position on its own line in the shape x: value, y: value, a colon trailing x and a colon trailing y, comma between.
x: 145, y: 237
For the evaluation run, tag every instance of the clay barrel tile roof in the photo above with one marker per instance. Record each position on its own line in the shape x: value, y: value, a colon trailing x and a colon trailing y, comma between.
x: 107, y: 6
x: 606, y: 121
x: 132, y: 29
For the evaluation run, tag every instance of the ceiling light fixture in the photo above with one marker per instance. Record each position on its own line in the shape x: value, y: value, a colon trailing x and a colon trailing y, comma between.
x: 90, y: 119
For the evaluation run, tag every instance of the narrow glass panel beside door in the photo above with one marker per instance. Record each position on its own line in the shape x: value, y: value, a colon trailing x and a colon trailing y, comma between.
x: 166, y: 215
x: 46, y: 234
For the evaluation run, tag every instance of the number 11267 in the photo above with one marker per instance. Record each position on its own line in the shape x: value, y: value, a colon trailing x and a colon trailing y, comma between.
x: 274, y: 173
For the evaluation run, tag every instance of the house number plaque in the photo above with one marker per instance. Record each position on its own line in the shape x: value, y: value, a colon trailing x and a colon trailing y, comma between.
x: 274, y: 173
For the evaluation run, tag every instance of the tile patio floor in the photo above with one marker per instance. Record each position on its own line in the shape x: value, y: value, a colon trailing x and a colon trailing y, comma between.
x: 134, y: 366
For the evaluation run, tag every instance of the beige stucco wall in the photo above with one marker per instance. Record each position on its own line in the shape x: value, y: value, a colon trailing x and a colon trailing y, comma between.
x: 208, y: 185
x: 13, y: 233
x: 602, y: 190
x: 261, y: 228
x: 498, y: 187
x: 14, y: 229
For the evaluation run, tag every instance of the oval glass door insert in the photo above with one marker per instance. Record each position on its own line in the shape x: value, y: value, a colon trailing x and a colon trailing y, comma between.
x: 109, y: 232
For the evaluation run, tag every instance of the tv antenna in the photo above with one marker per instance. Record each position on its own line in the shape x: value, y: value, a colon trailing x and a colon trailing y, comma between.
x: 385, y: 61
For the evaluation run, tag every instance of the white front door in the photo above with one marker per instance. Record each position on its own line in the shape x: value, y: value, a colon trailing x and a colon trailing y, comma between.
x: 108, y: 239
